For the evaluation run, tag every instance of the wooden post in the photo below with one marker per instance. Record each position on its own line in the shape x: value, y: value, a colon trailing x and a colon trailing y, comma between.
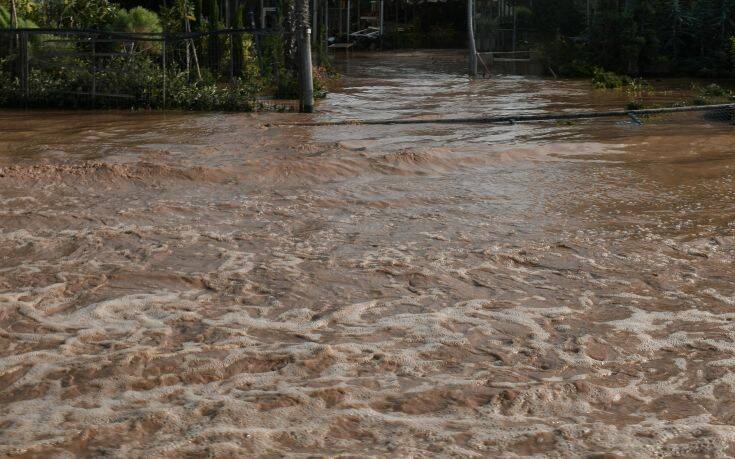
x: 94, y: 70
x: 232, y: 55
x: 24, y: 64
x: 190, y: 43
x: 471, y: 38
x: 164, y: 71
x: 306, y: 104
x: 262, y: 14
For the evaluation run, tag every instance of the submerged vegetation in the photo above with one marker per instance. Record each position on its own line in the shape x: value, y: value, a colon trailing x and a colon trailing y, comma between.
x: 638, y: 89
x: 602, y: 79
x: 199, y: 66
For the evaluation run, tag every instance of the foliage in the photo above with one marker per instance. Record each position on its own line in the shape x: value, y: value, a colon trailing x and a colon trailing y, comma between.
x: 74, y: 14
x: 710, y: 94
x: 635, y: 105
x: 642, y: 37
x: 324, y: 77
x: 602, y: 79
x: 6, y: 22
x: 635, y: 88
x: 138, y: 20
x: 712, y: 90
x: 223, y: 71
x: 131, y: 83
x: 240, y: 95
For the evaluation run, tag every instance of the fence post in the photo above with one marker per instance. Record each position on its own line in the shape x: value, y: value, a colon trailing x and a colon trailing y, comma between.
x: 164, y: 71
x: 24, y: 64
x: 306, y: 104
x: 261, y: 6
x: 471, y: 37
x: 94, y: 70
x: 232, y: 55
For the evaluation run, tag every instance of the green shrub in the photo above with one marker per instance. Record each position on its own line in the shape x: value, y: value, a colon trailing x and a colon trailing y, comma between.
x: 712, y: 90
x: 602, y: 79
x: 710, y: 94
x: 323, y: 78
x: 23, y: 23
x: 635, y: 105
x: 136, y: 82
x: 75, y: 14
x: 138, y: 20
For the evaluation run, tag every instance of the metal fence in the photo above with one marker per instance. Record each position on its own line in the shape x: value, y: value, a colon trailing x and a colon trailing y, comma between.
x: 98, y: 67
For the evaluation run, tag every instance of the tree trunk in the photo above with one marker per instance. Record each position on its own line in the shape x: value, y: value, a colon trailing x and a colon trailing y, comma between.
x: 291, y: 23
x: 13, y: 15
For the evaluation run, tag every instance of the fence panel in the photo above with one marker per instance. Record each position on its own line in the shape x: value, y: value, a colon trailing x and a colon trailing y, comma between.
x: 99, y: 68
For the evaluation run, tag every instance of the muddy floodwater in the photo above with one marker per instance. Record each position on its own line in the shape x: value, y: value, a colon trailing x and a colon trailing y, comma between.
x: 222, y: 285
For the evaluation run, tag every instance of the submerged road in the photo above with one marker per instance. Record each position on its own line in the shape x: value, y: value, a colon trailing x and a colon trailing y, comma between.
x: 217, y: 285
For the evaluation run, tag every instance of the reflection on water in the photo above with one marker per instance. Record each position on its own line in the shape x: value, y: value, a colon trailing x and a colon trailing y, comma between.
x: 219, y: 284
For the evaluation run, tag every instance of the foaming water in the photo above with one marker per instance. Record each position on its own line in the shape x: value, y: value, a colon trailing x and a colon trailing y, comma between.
x: 224, y: 285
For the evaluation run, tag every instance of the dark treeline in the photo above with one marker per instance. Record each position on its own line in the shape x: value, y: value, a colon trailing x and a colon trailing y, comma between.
x: 635, y: 37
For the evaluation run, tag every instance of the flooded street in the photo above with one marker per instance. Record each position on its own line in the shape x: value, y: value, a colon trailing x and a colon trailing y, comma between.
x: 224, y: 285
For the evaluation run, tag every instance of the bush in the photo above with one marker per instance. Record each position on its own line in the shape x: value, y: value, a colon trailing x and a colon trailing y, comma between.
x: 323, y: 78
x: 137, y: 83
x: 710, y: 94
x: 565, y: 58
x: 5, y: 22
x: 238, y: 96
x: 635, y: 105
x: 602, y: 79
x: 138, y: 20
x: 712, y: 90
x: 75, y: 14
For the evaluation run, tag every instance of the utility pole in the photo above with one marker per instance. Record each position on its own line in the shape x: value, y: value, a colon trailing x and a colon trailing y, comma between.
x: 306, y: 73
x: 471, y: 37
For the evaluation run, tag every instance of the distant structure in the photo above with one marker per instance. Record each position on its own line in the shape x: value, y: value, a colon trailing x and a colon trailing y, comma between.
x: 499, y: 35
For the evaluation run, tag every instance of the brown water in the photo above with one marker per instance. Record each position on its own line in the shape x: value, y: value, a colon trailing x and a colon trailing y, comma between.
x: 216, y: 285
